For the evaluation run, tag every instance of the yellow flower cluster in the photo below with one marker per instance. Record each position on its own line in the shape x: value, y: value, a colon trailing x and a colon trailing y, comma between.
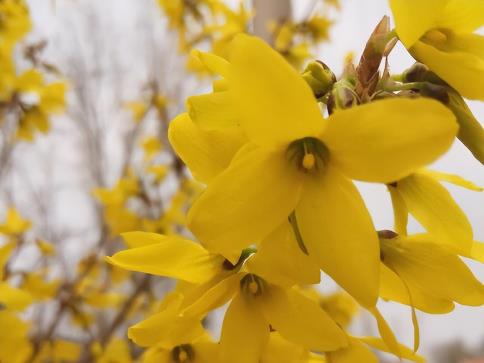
x: 215, y: 23
x: 294, y: 39
x: 205, y: 20
x: 26, y: 97
x: 278, y: 152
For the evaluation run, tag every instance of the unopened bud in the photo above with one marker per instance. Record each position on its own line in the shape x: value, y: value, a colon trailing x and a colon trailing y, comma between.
x: 319, y: 77
x: 419, y: 72
x: 342, y: 96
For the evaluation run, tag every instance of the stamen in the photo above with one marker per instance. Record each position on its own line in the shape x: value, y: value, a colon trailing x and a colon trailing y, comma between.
x: 182, y: 356
x: 308, y: 162
x: 253, y: 287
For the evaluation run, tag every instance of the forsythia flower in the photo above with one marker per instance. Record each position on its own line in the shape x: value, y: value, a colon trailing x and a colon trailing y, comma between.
x: 297, y: 164
x: 14, y: 223
x: 412, y: 268
x: 441, y: 35
x: 421, y: 195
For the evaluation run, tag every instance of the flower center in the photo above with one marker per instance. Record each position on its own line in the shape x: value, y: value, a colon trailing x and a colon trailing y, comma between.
x: 183, y: 353
x: 308, y: 161
x: 308, y: 154
x: 252, y: 285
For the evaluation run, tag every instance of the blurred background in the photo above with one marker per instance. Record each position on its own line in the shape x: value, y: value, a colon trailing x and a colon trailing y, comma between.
x: 117, y: 54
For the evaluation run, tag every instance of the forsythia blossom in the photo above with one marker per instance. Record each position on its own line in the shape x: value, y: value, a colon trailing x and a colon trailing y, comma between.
x: 280, y: 204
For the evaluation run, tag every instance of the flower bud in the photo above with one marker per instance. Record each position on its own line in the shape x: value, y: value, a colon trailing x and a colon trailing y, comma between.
x: 421, y: 73
x: 319, y: 77
x: 342, y: 96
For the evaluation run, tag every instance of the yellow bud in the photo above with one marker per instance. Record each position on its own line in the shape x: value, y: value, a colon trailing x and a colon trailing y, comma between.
x: 308, y: 161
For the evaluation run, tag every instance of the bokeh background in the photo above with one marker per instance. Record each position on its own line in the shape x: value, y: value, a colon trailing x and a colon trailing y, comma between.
x: 109, y: 51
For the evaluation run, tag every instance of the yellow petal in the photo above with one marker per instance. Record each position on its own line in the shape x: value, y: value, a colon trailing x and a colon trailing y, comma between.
x: 53, y: 98
x: 205, y: 352
x: 174, y: 257
x: 212, y: 111
x: 215, y: 296
x: 15, y: 346
x: 13, y: 298
x: 432, y: 268
x: 166, y: 329
x: 355, y: 352
x: 386, y: 332
x: 213, y: 63
x: 244, y: 332
x: 406, y: 352
x: 462, y: 16
x: 462, y: 70
x: 275, y: 104
x: 413, y: 18
x: 453, y: 179
x: 280, y: 260
x: 433, y: 206
x: 477, y: 252
x: 386, y: 140
x: 400, y: 211
x: 349, y: 255
x: 5, y: 253
x: 392, y: 288
x: 156, y: 355
x: 246, y: 202
x: 206, y: 152
x: 279, y: 350
x: 300, y: 320
x: 141, y: 239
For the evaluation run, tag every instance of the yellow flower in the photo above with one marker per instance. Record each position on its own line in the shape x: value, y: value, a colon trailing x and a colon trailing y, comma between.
x: 45, y: 247
x: 213, y: 110
x: 296, y: 161
x: 201, y: 350
x: 59, y: 351
x: 15, y: 21
x: 167, y: 328
x: 280, y: 350
x: 441, y: 35
x: 170, y: 256
x: 138, y: 109
x: 12, y: 298
x: 420, y: 272
x: 359, y: 351
x: 119, y: 194
x: 421, y: 195
x: 40, y: 102
x: 151, y: 146
x: 14, y: 223
x: 340, y: 306
x: 117, y: 351
x: 15, y: 346
x: 159, y: 172
x: 38, y: 287
x: 255, y: 306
